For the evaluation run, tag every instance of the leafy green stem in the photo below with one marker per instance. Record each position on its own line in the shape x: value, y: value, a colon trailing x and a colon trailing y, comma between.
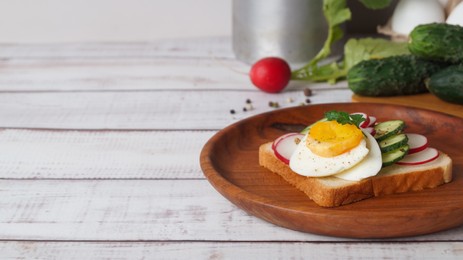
x: 336, y: 13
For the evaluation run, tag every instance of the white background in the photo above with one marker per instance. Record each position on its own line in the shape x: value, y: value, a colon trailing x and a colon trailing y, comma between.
x: 38, y: 21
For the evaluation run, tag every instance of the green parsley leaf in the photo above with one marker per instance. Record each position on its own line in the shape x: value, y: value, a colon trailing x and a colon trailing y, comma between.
x: 344, y: 118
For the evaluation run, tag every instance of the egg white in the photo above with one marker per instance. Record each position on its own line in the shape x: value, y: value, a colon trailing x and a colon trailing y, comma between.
x: 304, y: 162
x: 369, y: 166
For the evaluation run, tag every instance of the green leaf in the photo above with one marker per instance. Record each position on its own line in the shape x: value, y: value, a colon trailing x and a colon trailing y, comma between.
x: 376, y: 4
x: 357, y: 119
x: 336, y: 13
x: 344, y: 117
x: 355, y: 50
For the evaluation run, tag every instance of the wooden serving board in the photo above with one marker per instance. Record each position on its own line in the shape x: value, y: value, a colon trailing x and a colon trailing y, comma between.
x: 230, y: 162
x: 425, y: 101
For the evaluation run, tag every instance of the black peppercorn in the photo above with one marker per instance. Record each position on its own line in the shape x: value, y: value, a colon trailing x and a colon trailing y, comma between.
x: 307, y: 92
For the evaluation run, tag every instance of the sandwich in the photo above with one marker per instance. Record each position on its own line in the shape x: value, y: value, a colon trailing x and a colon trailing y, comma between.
x: 344, y: 158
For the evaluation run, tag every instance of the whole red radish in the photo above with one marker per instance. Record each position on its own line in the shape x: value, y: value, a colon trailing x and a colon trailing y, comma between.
x: 270, y: 74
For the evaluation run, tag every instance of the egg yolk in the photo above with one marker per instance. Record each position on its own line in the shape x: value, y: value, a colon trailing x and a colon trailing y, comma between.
x: 330, y: 138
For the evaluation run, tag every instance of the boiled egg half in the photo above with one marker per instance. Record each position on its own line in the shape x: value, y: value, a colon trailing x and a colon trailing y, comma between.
x: 331, y: 148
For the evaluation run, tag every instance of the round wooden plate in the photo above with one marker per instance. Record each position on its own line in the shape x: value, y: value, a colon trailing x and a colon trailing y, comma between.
x: 229, y: 161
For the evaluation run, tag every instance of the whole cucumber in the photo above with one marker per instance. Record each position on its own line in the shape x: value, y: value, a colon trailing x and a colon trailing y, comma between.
x: 447, y: 84
x: 437, y: 41
x: 391, y: 76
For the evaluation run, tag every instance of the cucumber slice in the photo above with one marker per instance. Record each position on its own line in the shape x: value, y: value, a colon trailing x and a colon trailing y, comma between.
x: 393, y: 142
x: 388, y: 129
x: 394, y: 156
x: 306, y: 130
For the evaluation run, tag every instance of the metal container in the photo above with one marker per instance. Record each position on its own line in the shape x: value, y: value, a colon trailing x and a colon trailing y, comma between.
x: 292, y: 29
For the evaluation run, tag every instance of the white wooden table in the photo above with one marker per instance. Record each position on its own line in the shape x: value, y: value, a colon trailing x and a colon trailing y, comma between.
x: 99, y: 157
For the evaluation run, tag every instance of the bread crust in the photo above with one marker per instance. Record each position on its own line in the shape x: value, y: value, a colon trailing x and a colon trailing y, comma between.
x: 332, y: 192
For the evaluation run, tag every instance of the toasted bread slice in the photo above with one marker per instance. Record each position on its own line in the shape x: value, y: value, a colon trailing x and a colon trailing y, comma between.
x: 331, y: 191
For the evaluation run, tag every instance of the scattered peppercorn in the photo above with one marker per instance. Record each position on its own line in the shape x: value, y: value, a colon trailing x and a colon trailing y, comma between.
x: 307, y: 101
x: 273, y: 104
x: 248, y: 101
x: 232, y: 111
x: 307, y: 92
x: 244, y: 109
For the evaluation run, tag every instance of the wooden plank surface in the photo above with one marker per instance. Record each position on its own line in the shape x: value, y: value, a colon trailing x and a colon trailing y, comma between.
x: 131, y: 74
x: 139, y: 210
x: 228, y: 250
x: 127, y: 210
x: 128, y: 74
x: 135, y: 190
x: 171, y: 64
x: 201, y: 47
x: 161, y: 110
x: 55, y: 154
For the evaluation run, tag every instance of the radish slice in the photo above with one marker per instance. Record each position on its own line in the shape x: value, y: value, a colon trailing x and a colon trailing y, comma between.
x: 417, y: 143
x: 281, y: 137
x: 365, y: 123
x: 285, y: 146
x: 372, y: 121
x: 425, y: 156
x: 370, y: 130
